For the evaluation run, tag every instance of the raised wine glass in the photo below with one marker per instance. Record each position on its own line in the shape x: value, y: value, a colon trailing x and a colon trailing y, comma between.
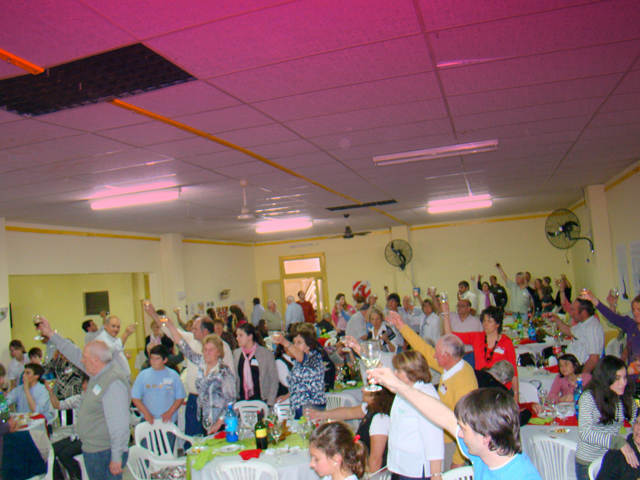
x: 370, y: 352
x: 37, y: 320
x: 542, y: 394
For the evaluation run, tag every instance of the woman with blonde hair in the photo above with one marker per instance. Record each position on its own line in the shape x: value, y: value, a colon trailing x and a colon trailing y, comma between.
x: 380, y: 330
x: 416, y: 446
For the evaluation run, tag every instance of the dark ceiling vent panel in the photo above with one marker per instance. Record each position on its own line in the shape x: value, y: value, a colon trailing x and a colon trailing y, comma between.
x: 364, y: 205
x: 117, y: 73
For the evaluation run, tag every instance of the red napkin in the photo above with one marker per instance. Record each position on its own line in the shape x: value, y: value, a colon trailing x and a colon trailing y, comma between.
x: 247, y: 454
x: 322, y: 341
x: 553, y: 369
x: 220, y: 435
x: 525, y: 341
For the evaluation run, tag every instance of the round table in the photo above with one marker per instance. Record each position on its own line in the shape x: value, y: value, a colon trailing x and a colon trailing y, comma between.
x: 293, y: 466
x: 541, y: 375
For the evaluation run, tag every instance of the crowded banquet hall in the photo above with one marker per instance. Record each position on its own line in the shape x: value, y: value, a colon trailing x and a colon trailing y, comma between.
x: 311, y: 239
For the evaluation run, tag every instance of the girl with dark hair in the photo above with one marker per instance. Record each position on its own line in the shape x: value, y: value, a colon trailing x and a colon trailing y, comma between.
x: 374, y: 426
x: 306, y: 378
x: 565, y: 383
x: 18, y: 360
x: 605, y: 404
x: 257, y: 377
x: 489, y: 346
x: 336, y: 453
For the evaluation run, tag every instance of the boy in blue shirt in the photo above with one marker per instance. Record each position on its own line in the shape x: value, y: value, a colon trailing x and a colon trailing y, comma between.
x: 158, y: 391
x: 486, y: 422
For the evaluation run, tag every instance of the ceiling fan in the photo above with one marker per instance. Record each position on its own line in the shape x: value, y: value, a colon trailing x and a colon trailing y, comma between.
x: 245, y: 214
x: 348, y: 233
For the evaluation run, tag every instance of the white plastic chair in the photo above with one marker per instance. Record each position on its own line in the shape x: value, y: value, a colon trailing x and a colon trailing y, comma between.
x: 528, y: 393
x: 142, y: 463
x: 252, y: 470
x: 245, y: 406
x: 594, y: 468
x: 283, y: 411
x: 157, y: 439
x: 382, y: 474
x: 337, y: 400
x: 83, y: 469
x: 462, y: 473
x: 552, y: 456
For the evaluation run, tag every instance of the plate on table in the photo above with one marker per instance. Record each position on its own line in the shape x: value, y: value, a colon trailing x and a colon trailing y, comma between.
x: 545, y: 414
x: 230, y: 448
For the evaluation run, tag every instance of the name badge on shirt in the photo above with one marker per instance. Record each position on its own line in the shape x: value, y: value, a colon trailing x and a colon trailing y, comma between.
x: 96, y: 390
x: 499, y: 350
x: 254, y: 362
x: 443, y: 389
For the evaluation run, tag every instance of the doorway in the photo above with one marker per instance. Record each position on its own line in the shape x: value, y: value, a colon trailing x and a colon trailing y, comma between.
x: 306, y: 273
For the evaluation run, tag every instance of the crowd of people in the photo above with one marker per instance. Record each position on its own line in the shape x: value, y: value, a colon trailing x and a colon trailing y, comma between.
x: 416, y: 426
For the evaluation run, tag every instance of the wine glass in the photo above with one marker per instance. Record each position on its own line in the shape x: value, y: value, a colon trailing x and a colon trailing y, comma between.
x: 542, y: 393
x: 370, y: 352
x: 207, y: 422
x: 276, y: 431
x: 250, y: 420
x: 37, y: 320
x: 197, y: 442
x: 554, y: 412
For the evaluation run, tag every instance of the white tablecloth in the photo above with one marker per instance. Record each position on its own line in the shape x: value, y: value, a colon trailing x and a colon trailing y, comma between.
x: 294, y: 466
x: 545, y: 378
x: 536, y: 347
x: 528, y: 431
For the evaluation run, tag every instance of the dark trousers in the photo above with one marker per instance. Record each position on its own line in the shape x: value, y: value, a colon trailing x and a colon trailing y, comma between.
x: 97, y: 465
x: 192, y: 426
x: 65, y: 450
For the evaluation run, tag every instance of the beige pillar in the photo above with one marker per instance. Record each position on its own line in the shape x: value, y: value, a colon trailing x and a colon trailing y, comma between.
x: 172, y: 270
x: 602, y: 260
x: 5, y: 324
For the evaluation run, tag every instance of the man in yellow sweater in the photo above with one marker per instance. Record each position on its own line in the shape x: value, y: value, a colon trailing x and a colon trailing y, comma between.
x: 456, y: 380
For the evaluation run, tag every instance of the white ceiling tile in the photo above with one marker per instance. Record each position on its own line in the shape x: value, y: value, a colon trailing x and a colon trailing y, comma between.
x: 365, y: 63
x: 225, y: 120
x: 549, y: 67
x: 189, y: 147
x: 290, y: 30
x: 183, y: 99
x: 54, y: 32
x: 92, y: 118
x: 150, y: 171
x: 146, y: 134
x: 57, y: 150
x: 24, y: 132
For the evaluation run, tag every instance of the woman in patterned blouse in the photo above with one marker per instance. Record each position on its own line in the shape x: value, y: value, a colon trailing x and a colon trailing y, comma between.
x: 306, y: 379
x: 215, y: 383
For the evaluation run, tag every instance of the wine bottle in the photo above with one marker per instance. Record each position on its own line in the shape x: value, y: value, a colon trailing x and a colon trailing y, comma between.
x: 262, y: 442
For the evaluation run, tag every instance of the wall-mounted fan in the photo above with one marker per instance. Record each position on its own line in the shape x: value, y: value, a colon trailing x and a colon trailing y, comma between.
x: 563, y: 229
x: 398, y: 253
x: 348, y: 233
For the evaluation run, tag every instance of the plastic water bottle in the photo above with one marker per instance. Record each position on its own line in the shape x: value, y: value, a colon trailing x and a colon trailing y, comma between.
x: 532, y: 331
x: 576, y: 395
x: 519, y: 326
x: 231, y: 424
x: 4, y: 409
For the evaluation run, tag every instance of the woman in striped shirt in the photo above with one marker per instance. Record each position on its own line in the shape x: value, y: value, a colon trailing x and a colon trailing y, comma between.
x: 606, y: 402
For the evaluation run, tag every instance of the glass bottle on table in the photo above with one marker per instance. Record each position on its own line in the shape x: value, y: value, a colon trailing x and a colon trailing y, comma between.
x: 576, y: 395
x: 262, y: 440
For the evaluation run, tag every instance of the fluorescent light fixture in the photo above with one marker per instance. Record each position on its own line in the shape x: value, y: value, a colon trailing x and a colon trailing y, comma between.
x: 460, y: 203
x: 134, y: 187
x: 137, y: 199
x: 438, y: 152
x: 284, y: 225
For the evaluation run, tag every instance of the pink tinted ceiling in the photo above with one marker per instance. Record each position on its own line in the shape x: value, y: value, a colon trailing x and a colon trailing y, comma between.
x: 320, y: 87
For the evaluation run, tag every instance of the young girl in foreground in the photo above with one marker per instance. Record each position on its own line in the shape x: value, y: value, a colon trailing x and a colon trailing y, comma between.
x: 336, y: 453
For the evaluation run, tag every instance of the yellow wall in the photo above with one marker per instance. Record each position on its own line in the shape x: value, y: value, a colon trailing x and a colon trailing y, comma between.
x: 60, y: 299
x: 210, y: 268
x: 442, y: 256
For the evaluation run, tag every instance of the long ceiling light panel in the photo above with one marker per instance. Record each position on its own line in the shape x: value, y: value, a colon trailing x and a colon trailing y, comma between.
x: 461, y: 203
x: 438, y: 152
x: 137, y: 199
x: 284, y: 225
